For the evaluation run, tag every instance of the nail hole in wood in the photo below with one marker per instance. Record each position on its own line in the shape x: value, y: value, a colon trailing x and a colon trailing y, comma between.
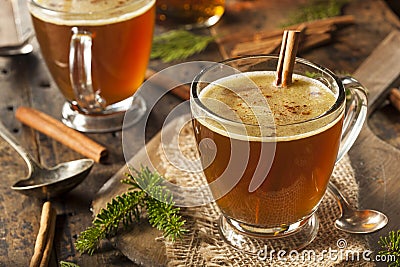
x: 44, y: 84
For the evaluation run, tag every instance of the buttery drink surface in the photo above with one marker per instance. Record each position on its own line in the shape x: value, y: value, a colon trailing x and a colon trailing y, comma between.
x: 296, y: 156
x: 121, y: 33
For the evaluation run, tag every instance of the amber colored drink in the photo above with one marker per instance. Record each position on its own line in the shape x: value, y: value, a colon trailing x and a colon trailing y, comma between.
x: 122, y: 37
x: 304, y: 149
x: 192, y: 12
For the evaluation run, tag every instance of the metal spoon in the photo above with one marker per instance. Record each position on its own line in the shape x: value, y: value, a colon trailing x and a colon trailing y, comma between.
x: 47, y: 182
x: 356, y: 221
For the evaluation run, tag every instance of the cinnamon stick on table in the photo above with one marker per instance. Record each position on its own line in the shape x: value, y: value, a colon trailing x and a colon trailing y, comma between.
x: 287, y: 57
x: 394, y: 98
x: 316, y: 33
x: 44, y: 240
x: 62, y: 133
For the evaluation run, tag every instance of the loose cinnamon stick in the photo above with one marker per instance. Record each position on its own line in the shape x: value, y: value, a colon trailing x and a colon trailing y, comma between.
x: 394, y: 98
x: 50, y: 238
x: 287, y: 56
x: 258, y: 47
x: 315, y: 26
x: 315, y: 33
x: 62, y: 133
x: 269, y: 46
x: 181, y: 91
x: 46, y: 231
x: 314, y: 41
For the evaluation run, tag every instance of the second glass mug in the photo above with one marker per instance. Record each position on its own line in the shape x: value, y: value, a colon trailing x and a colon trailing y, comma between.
x: 269, y: 183
x: 97, y: 54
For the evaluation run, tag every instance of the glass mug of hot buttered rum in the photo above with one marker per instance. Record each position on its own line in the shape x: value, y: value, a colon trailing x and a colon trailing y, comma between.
x: 268, y: 152
x: 97, y: 53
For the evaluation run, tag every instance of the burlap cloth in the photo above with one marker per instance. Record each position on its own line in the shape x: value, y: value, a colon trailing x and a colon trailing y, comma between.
x: 203, y: 246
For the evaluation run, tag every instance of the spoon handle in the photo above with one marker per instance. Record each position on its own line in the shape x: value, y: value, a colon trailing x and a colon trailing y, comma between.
x: 343, y: 203
x: 9, y: 138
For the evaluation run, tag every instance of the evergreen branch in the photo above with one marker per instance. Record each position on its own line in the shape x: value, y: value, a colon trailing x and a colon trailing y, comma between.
x: 178, y: 45
x: 160, y: 206
x: 123, y: 209
x: 316, y: 9
x: 391, y: 246
x: 68, y: 264
x: 146, y: 192
x: 168, y: 220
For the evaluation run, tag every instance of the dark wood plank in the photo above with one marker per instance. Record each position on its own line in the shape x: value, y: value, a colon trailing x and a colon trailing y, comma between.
x: 385, y: 123
x: 20, y: 214
x: 375, y: 162
x: 24, y: 80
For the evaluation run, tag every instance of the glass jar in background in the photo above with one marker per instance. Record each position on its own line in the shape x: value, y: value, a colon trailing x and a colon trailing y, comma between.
x: 190, y: 13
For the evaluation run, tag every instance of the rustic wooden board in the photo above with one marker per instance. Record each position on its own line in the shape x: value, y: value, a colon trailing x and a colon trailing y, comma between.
x: 139, y: 244
x: 376, y: 163
x: 24, y: 80
x: 380, y: 71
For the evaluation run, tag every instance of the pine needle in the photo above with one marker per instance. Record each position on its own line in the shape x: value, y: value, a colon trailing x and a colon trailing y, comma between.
x: 178, y: 45
x: 146, y: 193
x: 316, y: 9
x: 68, y: 264
x: 391, y: 247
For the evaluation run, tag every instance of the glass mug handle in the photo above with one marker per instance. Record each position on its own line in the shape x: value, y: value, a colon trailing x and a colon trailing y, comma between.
x: 80, y: 69
x: 356, y: 113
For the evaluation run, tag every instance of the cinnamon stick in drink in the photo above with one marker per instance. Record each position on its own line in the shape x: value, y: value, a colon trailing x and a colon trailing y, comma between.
x: 61, y: 133
x: 287, y: 57
x: 279, y: 67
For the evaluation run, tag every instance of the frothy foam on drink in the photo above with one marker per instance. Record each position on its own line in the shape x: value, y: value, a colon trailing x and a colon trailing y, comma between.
x: 90, y: 12
x: 257, y: 101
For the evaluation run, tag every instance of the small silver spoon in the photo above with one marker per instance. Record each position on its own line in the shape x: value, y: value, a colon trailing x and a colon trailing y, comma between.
x: 356, y: 221
x: 44, y: 182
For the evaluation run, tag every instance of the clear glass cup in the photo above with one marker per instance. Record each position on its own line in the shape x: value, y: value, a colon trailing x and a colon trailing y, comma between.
x: 190, y: 13
x: 269, y: 177
x: 97, y: 54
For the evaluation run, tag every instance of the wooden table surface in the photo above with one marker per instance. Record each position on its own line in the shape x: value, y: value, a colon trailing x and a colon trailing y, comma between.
x: 24, y: 80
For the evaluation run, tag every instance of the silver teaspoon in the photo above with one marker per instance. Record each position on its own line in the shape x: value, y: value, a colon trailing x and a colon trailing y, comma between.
x: 44, y: 182
x: 356, y: 221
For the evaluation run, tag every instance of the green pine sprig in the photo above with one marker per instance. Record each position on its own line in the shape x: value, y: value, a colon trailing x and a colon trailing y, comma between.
x: 391, y: 246
x: 68, y: 264
x: 316, y: 9
x: 145, y: 194
x: 178, y: 45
